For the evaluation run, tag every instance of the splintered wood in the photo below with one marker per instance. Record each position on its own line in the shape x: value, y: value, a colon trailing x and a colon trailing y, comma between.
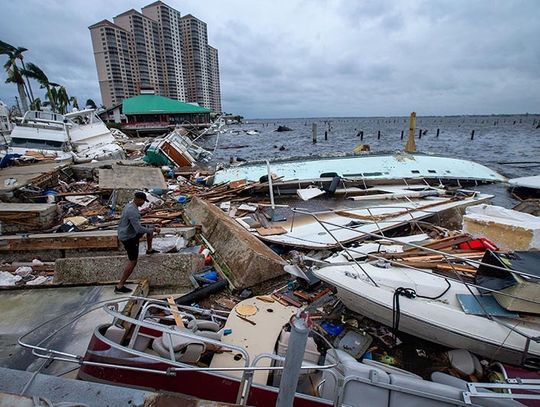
x: 80, y: 240
x: 229, y: 192
x: 419, y: 258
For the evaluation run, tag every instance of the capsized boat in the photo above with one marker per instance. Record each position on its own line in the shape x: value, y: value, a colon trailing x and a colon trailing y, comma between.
x: 80, y: 136
x: 378, y: 209
x: 435, y: 307
x: 237, y: 357
x: 525, y: 187
x: 365, y: 167
x: 175, y: 149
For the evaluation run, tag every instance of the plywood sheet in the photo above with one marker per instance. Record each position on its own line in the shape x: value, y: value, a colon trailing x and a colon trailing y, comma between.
x: 259, y: 338
x: 131, y: 178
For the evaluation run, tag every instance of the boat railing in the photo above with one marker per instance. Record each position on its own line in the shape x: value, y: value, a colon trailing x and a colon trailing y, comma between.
x: 149, y: 305
x: 501, y: 390
x: 446, y: 256
x: 408, y: 211
x: 112, y: 308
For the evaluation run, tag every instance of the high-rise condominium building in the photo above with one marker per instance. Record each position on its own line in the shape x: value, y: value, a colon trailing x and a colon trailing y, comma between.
x: 159, y: 49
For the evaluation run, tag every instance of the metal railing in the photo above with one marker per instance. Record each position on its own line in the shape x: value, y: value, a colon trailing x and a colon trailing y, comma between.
x: 446, y: 256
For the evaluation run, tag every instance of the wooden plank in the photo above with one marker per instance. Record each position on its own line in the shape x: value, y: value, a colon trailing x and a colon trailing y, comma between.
x: 75, y: 240
x: 462, y: 268
x: 133, y: 307
x: 443, y: 243
x: 175, y: 312
x: 272, y: 230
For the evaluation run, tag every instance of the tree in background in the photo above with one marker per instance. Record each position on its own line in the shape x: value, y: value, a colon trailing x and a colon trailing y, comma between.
x: 14, y: 76
x: 34, y: 72
x: 73, y: 102
x: 56, y: 94
x: 91, y: 104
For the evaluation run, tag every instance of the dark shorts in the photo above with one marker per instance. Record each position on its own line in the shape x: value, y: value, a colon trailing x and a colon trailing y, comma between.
x: 132, y: 247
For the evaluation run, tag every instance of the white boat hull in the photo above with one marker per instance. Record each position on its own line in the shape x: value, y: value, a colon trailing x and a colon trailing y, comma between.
x: 366, y: 167
x: 440, y: 321
x: 304, y: 231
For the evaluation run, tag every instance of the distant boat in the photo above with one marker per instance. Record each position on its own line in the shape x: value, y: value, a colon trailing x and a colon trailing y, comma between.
x: 78, y: 136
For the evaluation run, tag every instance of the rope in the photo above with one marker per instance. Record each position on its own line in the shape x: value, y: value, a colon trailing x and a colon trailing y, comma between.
x: 409, y: 293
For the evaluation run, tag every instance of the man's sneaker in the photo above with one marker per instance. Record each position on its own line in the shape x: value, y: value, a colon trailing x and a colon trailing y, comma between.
x: 152, y: 251
x: 122, y: 290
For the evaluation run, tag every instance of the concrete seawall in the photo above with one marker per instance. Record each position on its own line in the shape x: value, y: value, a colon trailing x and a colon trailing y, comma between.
x: 250, y: 262
x: 161, y: 270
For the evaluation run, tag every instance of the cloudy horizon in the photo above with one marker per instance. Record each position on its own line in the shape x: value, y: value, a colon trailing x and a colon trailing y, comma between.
x: 302, y: 58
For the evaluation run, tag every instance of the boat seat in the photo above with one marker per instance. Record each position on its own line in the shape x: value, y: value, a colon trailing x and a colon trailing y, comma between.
x: 185, y: 349
x: 404, y: 399
x: 115, y: 333
x: 388, y: 368
x: 446, y: 379
x: 355, y: 393
x: 207, y: 329
x: 202, y: 325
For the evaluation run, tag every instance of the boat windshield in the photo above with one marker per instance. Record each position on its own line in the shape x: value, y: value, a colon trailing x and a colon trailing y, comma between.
x: 37, y: 144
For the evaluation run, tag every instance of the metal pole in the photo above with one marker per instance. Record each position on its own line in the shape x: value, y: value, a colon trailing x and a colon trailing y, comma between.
x: 293, y: 361
x: 270, y: 186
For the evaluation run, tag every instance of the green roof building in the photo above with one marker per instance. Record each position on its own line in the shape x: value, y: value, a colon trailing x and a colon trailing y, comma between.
x: 149, y: 113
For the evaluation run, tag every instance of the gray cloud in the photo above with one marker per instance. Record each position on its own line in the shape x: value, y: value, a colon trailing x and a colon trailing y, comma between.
x: 321, y: 58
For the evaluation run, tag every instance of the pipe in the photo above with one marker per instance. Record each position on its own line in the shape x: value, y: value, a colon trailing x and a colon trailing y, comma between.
x: 293, y: 360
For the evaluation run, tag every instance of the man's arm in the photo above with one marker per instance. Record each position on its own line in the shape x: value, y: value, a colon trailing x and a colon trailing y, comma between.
x: 135, y: 221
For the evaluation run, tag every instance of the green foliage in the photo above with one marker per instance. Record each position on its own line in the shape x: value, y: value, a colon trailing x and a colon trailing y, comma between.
x: 56, y: 94
x: 90, y: 104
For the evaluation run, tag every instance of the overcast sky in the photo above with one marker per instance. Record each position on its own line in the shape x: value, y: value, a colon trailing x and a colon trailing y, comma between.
x: 307, y: 58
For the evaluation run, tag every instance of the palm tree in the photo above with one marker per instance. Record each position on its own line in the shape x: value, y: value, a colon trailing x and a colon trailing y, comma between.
x: 62, y: 100
x: 91, y: 104
x: 35, y: 72
x: 15, y: 76
x: 15, y: 53
x: 36, y: 104
x: 73, y: 102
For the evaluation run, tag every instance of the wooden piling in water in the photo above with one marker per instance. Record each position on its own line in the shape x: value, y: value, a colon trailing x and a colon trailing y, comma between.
x: 325, y: 135
x: 411, y: 145
x: 419, y: 133
x: 361, y: 135
x: 378, y: 134
x: 314, y: 132
x: 438, y: 130
x: 472, y: 135
x: 402, y: 134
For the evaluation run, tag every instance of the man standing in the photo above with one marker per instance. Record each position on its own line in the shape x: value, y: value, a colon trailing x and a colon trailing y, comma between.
x: 130, y: 232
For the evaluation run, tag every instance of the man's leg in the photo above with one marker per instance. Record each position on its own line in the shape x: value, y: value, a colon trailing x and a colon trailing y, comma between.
x: 128, y: 269
x: 149, y: 238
